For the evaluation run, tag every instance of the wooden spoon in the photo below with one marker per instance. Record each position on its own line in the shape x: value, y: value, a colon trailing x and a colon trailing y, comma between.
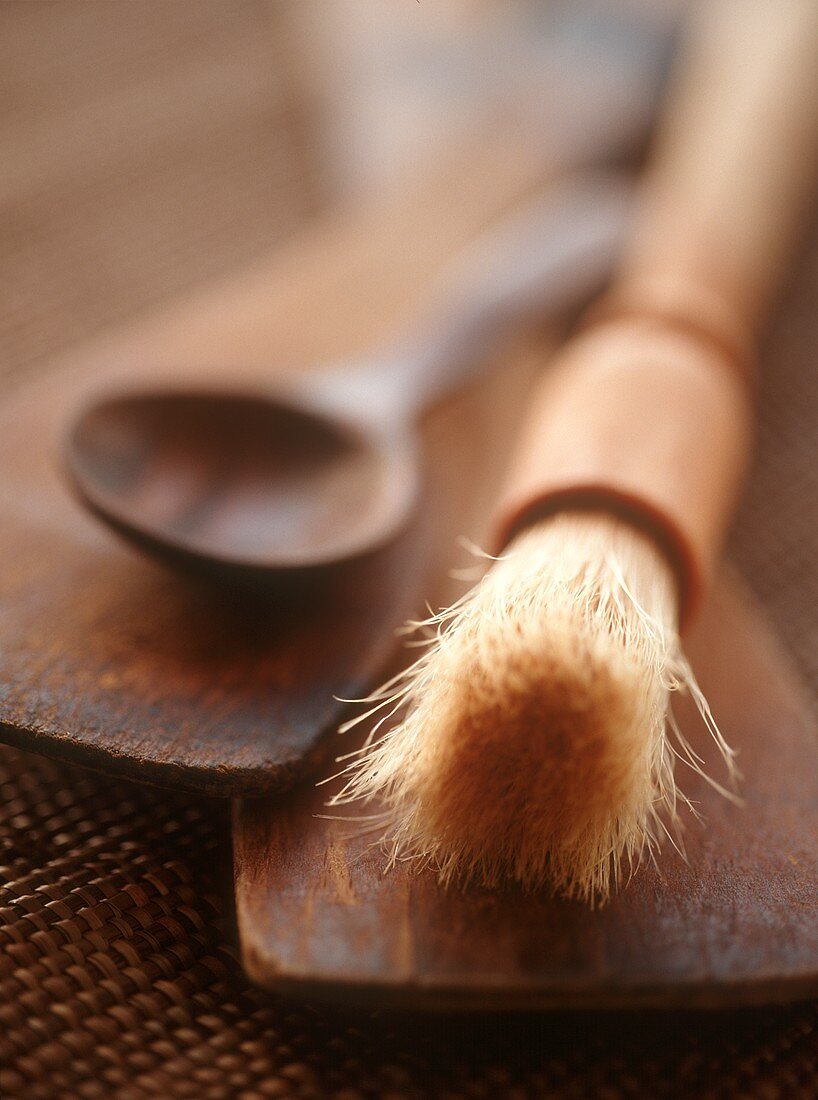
x: 325, y: 468
x: 302, y: 477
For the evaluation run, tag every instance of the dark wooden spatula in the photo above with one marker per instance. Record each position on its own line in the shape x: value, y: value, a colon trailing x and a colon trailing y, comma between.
x: 737, y: 924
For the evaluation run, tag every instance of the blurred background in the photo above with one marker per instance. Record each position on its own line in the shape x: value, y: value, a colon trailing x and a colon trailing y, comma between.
x: 154, y: 144
x: 151, y: 146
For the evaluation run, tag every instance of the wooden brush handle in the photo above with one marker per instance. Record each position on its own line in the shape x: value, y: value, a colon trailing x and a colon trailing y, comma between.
x: 648, y: 412
x: 732, y: 170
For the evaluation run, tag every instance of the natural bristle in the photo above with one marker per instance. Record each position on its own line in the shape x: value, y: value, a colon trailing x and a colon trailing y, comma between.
x: 532, y: 741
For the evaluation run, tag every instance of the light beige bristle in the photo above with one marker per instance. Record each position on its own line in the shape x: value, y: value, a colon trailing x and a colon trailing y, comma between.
x: 534, y: 740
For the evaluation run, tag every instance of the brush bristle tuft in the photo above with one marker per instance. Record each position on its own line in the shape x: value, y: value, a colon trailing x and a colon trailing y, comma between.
x: 533, y: 734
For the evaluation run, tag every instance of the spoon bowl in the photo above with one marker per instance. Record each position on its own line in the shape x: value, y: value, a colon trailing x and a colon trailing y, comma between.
x: 242, y: 481
x: 324, y: 469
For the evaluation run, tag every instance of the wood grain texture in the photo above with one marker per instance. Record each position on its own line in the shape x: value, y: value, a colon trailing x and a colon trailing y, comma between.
x: 736, y: 924
x: 111, y: 661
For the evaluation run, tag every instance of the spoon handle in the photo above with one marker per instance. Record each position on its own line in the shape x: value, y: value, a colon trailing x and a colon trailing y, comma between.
x: 546, y: 258
x: 549, y: 256
x: 605, y: 66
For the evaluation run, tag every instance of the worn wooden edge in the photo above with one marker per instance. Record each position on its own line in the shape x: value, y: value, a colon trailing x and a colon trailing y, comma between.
x: 483, y: 998
x: 228, y: 780
x: 224, y: 782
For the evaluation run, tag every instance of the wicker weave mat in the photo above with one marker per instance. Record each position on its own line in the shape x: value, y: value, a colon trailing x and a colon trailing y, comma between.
x: 117, y: 971
x: 116, y: 979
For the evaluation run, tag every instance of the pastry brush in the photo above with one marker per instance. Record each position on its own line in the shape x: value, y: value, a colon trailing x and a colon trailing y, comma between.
x: 535, y: 739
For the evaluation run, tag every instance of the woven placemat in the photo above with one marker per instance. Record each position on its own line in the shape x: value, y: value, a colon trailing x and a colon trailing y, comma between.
x: 118, y: 974
x: 118, y: 978
x: 775, y: 537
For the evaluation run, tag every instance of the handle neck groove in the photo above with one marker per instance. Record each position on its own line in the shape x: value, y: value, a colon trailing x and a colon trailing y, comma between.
x: 688, y: 311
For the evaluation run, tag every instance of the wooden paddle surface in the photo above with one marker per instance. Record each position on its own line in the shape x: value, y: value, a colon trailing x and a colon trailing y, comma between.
x: 736, y: 924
